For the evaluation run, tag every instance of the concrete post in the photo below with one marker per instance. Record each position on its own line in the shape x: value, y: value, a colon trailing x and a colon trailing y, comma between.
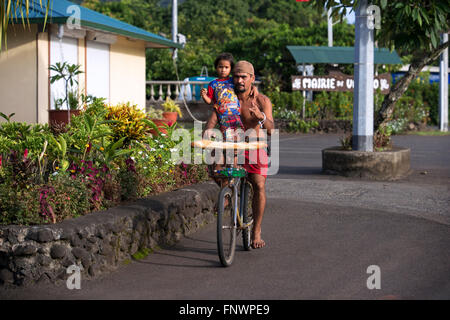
x: 175, y: 26
x: 363, y: 92
x: 443, y: 87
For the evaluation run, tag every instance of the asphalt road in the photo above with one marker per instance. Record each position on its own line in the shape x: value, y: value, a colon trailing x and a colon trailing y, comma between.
x: 322, y: 234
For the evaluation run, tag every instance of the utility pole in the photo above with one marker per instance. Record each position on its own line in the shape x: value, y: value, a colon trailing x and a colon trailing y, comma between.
x: 363, y: 92
x: 175, y: 26
x: 330, y: 29
x: 443, y: 87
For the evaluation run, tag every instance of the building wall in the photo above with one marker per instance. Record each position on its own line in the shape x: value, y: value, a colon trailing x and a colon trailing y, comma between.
x: 18, y: 74
x: 24, y: 69
x: 82, y: 63
x: 42, y: 77
x: 127, y: 72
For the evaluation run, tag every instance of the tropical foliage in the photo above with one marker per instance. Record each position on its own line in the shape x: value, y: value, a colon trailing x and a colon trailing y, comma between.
x: 257, y: 30
x: 16, y: 11
x: 105, y: 156
x: 412, y: 27
x: 418, y: 106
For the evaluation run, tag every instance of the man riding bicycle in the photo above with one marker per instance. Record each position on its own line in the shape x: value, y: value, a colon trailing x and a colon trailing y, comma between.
x: 256, y: 114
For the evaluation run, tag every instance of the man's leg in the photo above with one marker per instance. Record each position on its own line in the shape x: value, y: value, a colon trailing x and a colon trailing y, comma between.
x: 259, y: 204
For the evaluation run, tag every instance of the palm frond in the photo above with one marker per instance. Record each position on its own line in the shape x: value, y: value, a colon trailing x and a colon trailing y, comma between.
x: 9, y: 9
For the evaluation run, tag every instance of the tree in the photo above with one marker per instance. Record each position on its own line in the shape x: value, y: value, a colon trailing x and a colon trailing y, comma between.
x: 411, y: 27
x: 13, y: 10
x: 264, y: 42
x: 145, y: 14
x: 293, y: 13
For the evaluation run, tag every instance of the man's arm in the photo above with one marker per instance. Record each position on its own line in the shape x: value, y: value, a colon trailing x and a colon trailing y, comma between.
x: 269, y: 124
x: 265, y: 106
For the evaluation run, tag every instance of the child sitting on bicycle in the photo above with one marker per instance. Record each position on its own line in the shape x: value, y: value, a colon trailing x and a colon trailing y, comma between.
x: 221, y: 95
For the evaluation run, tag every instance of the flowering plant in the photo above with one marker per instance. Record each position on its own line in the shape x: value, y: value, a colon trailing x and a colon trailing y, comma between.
x: 105, y: 156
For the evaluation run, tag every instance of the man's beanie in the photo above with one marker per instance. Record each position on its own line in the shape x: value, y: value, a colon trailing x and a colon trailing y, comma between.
x: 243, y: 66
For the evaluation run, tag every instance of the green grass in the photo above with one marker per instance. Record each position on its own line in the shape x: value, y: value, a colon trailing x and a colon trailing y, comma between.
x: 141, y: 254
x: 430, y: 133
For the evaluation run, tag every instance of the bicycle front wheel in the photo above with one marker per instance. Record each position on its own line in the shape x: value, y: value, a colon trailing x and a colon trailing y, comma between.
x: 226, y: 228
x: 247, y: 214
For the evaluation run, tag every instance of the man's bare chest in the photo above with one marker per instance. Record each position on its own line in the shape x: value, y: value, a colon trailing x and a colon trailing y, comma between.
x: 247, y: 117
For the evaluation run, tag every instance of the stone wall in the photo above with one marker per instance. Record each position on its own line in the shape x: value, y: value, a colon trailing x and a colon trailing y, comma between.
x: 100, y: 241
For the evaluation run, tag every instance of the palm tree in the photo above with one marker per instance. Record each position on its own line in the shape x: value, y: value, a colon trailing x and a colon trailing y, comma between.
x: 16, y: 10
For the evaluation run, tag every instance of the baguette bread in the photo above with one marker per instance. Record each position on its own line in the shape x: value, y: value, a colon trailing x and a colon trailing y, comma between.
x: 208, y: 144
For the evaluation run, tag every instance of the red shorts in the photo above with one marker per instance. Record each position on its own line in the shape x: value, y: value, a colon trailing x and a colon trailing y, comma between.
x: 256, y: 161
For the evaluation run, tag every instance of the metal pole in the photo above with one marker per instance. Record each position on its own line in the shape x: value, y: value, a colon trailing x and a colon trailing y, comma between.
x: 175, y: 25
x: 443, y: 87
x: 330, y: 29
x: 363, y: 92
x: 304, y: 94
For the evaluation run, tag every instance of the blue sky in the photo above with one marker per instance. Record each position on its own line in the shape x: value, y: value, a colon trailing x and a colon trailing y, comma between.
x: 351, y: 17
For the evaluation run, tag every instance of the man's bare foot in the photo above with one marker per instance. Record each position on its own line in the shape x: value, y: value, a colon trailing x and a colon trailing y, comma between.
x: 257, y: 242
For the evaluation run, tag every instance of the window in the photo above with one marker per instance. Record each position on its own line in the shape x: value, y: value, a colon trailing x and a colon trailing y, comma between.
x: 97, y: 69
x: 64, y: 50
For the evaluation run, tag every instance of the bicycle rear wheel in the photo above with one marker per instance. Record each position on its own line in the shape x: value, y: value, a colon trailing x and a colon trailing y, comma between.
x: 247, y: 214
x: 226, y: 228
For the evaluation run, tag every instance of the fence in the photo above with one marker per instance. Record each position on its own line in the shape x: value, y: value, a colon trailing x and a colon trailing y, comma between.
x: 161, y: 89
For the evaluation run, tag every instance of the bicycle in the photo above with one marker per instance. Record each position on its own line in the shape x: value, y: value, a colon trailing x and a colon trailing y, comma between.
x: 231, y: 218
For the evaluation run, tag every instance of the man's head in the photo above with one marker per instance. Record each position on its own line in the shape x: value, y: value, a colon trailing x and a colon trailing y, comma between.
x: 243, y: 76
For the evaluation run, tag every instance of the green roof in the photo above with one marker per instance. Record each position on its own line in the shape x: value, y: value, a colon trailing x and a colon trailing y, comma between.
x: 59, y: 12
x: 306, y: 54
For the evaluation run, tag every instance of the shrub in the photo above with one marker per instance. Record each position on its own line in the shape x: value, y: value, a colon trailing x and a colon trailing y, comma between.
x: 94, y: 163
x: 66, y: 197
x: 128, y: 122
x: 22, y: 139
x: 302, y: 126
x: 60, y: 198
x: 325, y: 105
x: 129, y: 180
x: 418, y: 105
x: 19, y: 206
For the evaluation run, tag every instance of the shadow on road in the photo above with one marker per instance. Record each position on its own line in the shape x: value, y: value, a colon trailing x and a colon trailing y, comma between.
x: 192, y: 250
x: 307, y: 171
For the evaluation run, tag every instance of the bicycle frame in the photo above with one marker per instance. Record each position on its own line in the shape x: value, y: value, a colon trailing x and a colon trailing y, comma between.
x: 237, y: 186
x: 235, y: 182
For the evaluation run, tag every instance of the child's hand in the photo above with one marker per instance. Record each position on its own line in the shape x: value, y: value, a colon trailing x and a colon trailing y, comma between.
x: 209, y: 134
x: 204, y: 95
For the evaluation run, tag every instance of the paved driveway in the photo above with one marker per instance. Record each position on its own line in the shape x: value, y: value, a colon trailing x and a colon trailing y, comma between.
x: 322, y: 234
